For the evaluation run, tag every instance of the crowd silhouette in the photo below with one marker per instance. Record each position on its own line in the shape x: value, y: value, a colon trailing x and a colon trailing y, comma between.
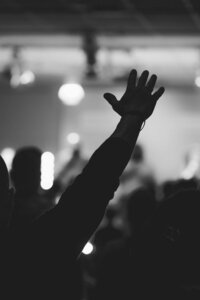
x: 145, y: 246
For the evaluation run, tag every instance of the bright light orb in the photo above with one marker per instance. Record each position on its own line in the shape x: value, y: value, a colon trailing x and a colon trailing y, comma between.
x: 88, y: 249
x: 71, y: 93
x: 27, y: 77
x: 73, y: 138
x: 47, y: 170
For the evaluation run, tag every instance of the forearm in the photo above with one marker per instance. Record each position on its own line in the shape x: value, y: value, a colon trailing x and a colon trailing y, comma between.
x: 83, y: 204
x: 110, y: 159
x: 128, y: 129
x: 100, y: 178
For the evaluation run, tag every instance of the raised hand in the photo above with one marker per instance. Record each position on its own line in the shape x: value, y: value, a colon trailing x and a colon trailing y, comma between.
x: 138, y: 98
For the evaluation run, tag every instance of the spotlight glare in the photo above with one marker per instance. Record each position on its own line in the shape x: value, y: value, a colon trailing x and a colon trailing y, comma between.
x: 88, y: 249
x: 47, y: 170
x: 197, y: 81
x: 71, y: 93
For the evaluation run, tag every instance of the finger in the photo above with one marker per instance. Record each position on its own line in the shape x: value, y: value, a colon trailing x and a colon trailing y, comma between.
x: 112, y: 100
x: 143, y: 79
x: 158, y: 93
x: 132, y: 80
x: 151, y: 84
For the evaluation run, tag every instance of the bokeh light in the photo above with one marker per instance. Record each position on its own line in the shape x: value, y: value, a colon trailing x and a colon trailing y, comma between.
x: 47, y: 170
x: 88, y: 249
x: 71, y: 93
x: 73, y: 138
x: 27, y: 77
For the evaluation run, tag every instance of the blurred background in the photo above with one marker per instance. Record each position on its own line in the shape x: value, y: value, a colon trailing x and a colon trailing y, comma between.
x: 58, y: 57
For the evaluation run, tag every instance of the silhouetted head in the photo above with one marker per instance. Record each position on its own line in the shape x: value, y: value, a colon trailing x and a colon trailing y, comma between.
x: 170, y: 245
x: 25, y: 172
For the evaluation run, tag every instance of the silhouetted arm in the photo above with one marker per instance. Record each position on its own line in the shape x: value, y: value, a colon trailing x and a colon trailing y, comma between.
x: 81, y: 207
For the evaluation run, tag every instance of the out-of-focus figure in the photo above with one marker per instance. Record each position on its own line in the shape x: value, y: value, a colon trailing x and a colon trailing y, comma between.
x: 137, y: 173
x: 72, y: 168
x: 29, y: 202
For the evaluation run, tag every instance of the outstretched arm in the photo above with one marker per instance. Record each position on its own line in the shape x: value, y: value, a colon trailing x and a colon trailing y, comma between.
x: 83, y: 204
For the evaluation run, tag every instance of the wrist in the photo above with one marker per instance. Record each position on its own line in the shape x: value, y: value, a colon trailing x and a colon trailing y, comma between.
x: 136, y: 115
x: 128, y: 128
x: 133, y: 118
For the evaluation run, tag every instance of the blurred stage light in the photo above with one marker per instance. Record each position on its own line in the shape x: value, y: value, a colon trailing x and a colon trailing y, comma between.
x: 27, y: 77
x: 17, y: 78
x: 71, y: 93
x: 193, y: 163
x: 88, y: 249
x: 191, y: 170
x: 197, y: 81
x: 47, y: 170
x: 16, y: 71
x: 8, y: 155
x: 73, y: 138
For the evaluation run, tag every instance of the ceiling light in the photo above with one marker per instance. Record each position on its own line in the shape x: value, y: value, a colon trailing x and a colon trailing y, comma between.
x: 71, y: 93
x: 73, y: 138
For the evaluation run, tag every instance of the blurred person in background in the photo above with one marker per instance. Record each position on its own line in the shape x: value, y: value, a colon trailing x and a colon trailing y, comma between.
x: 72, y: 168
x: 137, y: 173
x: 29, y: 201
x: 167, y: 256
x: 115, y: 266
x: 107, y: 230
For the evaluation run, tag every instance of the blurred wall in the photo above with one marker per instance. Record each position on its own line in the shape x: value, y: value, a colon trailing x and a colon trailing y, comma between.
x: 35, y: 116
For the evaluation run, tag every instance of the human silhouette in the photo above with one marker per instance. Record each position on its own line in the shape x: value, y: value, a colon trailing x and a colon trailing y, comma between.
x: 168, y: 261
x: 46, y: 252
x: 6, y: 208
x: 29, y: 202
x: 71, y: 169
x: 108, y: 231
x: 137, y: 173
x: 115, y: 270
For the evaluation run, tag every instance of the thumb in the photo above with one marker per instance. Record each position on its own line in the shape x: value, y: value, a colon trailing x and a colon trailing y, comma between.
x: 112, y: 100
